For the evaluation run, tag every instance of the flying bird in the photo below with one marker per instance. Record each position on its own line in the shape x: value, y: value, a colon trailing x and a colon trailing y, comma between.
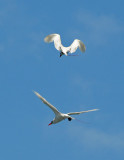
x: 58, y: 115
x: 65, y: 50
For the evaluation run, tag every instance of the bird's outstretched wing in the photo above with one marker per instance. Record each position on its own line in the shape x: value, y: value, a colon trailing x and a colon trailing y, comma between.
x: 56, y: 38
x: 77, y: 43
x: 72, y: 113
x: 47, y: 103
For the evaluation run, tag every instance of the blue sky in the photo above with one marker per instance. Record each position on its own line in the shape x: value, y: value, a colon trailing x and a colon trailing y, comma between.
x: 92, y: 80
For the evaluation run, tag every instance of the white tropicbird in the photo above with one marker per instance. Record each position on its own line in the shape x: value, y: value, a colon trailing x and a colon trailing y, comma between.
x: 65, y: 50
x: 58, y: 115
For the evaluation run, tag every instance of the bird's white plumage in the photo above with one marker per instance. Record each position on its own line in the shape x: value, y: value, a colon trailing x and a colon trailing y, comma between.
x: 77, y: 43
x: 65, y: 50
x: 47, y: 103
x: 58, y: 115
x: 54, y: 38
x: 72, y: 113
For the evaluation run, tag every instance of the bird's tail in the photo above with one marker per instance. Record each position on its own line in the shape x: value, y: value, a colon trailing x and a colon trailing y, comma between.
x: 74, y: 55
x: 81, y: 121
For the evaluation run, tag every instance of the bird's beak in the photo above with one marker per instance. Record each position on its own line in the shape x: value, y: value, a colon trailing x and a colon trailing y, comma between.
x: 49, y: 124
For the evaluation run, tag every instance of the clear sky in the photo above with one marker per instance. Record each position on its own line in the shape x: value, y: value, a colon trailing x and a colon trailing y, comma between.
x: 92, y: 80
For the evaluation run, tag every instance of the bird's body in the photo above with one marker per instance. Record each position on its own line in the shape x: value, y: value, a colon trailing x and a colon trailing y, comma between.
x: 65, y: 50
x: 58, y: 115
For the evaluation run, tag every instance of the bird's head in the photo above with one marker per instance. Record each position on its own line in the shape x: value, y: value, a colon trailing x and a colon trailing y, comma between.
x: 50, y: 123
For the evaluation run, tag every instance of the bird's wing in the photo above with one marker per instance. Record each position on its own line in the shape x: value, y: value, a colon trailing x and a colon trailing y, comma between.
x: 47, y: 103
x: 77, y: 43
x: 72, y: 113
x: 56, y: 38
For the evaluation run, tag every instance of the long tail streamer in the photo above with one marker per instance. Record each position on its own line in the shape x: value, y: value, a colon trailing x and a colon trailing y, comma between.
x: 82, y: 121
x: 74, y: 55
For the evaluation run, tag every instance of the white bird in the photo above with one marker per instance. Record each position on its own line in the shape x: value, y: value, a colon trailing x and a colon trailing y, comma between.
x: 58, y: 115
x: 65, y: 50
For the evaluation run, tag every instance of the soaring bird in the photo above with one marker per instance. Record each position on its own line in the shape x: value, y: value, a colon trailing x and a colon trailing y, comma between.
x: 58, y: 115
x: 65, y: 50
